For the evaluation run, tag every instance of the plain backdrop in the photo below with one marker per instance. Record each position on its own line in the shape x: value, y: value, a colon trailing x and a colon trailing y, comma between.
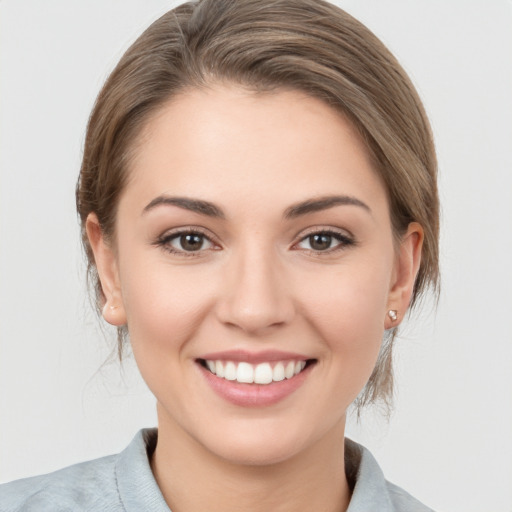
x: 449, y: 441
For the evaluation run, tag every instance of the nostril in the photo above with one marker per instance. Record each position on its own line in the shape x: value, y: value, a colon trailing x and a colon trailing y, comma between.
x: 255, y: 302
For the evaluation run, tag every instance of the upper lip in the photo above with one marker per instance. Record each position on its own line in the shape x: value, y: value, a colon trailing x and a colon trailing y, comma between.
x: 254, y: 357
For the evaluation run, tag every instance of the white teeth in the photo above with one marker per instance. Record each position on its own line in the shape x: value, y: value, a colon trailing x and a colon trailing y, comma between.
x: 245, y: 373
x: 230, y: 371
x: 262, y: 373
x: 219, y: 369
x: 278, y: 373
x: 289, y: 370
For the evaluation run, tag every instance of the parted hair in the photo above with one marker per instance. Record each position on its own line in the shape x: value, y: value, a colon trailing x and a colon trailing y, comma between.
x: 269, y: 45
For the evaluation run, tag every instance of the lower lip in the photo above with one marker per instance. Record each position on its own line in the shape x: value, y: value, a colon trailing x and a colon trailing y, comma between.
x: 254, y: 395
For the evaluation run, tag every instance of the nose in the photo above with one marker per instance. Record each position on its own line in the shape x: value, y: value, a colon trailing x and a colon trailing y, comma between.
x: 256, y: 297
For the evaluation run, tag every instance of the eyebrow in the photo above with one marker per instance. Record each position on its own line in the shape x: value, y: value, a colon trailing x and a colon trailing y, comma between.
x: 323, y: 203
x: 211, y: 210
x: 194, y: 205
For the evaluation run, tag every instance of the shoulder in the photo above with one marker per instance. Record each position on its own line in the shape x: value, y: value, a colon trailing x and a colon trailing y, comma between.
x: 111, y: 484
x: 86, y: 486
x: 371, y: 491
x: 116, y: 483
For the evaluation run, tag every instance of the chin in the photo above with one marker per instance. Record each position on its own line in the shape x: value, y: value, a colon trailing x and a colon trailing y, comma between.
x: 257, y: 452
x: 260, y: 443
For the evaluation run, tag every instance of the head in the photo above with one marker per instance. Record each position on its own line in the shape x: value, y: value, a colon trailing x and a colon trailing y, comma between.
x: 267, y: 48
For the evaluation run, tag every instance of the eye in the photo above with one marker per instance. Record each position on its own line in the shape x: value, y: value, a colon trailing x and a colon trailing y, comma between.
x: 325, y: 241
x: 186, y: 242
x: 190, y: 242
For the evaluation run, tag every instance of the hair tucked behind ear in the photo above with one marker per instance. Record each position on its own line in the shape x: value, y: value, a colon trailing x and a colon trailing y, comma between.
x: 265, y: 45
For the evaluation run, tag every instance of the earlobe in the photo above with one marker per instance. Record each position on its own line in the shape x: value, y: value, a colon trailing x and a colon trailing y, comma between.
x: 404, y: 276
x: 106, y: 264
x: 113, y: 314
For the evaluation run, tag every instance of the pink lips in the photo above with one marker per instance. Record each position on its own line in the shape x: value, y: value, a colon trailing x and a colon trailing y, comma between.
x: 254, y: 395
x: 254, y: 357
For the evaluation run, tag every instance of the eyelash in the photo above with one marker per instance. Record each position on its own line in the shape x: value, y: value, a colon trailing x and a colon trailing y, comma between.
x: 344, y: 240
x: 165, y: 240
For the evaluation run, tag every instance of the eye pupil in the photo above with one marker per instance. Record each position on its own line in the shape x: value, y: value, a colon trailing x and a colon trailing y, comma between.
x: 191, y: 242
x: 320, y: 242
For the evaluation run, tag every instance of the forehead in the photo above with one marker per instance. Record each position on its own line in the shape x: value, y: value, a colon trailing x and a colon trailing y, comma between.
x: 228, y: 141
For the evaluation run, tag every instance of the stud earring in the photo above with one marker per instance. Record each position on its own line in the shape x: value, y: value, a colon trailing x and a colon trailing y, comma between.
x: 392, y: 313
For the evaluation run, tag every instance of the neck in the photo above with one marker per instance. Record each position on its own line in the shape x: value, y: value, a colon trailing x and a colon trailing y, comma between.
x: 193, y: 479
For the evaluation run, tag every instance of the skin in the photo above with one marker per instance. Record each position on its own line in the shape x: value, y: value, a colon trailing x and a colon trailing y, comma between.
x: 256, y: 283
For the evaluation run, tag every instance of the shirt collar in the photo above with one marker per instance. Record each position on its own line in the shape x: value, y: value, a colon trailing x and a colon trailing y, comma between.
x: 136, y: 484
x: 367, y: 480
x: 138, y: 489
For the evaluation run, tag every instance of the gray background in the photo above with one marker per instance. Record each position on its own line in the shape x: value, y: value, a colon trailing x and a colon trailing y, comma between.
x: 450, y: 439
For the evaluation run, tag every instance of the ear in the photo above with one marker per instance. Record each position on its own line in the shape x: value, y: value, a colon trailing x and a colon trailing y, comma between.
x: 407, y: 264
x: 108, y: 272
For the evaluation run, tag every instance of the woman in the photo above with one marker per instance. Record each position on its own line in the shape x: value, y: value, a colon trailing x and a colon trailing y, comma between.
x: 259, y: 210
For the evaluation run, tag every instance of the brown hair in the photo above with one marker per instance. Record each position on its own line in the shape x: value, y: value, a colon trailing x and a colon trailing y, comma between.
x: 307, y: 45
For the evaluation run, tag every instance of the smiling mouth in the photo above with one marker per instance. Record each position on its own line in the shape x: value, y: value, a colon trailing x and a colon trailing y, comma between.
x: 262, y: 373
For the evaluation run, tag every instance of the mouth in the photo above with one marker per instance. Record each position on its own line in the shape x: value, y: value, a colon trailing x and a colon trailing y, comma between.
x: 263, y: 373
x: 255, y: 379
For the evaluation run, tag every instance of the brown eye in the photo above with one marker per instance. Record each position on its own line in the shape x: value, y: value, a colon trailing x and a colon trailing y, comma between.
x: 189, y: 242
x: 325, y: 241
x: 320, y: 242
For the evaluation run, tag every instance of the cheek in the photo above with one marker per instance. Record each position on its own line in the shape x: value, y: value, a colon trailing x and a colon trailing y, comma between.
x: 350, y: 320
x: 164, y: 306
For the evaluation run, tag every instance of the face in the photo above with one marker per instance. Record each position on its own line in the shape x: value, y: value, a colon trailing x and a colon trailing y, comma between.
x: 254, y: 266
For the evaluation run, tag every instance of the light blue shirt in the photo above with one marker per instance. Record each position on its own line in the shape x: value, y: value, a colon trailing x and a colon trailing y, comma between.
x: 125, y: 483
